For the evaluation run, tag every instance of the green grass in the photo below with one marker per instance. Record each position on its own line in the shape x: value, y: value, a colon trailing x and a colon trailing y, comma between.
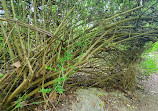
x: 150, y: 64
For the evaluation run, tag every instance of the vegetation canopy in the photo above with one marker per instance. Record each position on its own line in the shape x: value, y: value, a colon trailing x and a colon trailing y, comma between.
x: 45, y: 44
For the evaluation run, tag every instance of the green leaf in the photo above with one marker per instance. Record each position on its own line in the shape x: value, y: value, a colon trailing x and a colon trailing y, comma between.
x: 73, y: 67
x: 18, y: 105
x: 37, y: 102
x: 1, y: 75
x: 147, y: 24
x: 54, y: 69
x: 101, y: 105
x: 25, y: 97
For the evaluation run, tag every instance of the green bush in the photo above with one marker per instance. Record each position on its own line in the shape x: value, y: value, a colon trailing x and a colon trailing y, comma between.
x: 155, y: 46
x: 150, y: 66
x: 150, y: 56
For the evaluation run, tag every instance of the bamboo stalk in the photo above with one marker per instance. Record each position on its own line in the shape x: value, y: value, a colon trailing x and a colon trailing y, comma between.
x: 10, y: 26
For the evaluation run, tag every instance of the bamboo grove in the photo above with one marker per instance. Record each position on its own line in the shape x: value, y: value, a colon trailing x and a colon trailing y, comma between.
x: 43, y: 43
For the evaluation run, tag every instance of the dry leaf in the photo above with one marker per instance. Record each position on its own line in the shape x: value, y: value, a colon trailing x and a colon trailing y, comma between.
x: 17, y: 64
x: 53, y: 95
x: 37, y: 94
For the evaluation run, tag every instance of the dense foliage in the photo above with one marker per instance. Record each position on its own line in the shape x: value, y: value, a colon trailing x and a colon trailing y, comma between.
x: 43, y: 43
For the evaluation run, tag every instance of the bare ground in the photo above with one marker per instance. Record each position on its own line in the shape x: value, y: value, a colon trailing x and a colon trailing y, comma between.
x: 144, y: 100
x: 148, y: 99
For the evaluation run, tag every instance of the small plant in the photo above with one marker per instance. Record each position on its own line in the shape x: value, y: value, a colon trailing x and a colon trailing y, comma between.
x: 19, y: 101
x: 59, y: 82
x: 49, y: 68
x: 45, y: 91
x: 58, y: 85
x: 36, y: 103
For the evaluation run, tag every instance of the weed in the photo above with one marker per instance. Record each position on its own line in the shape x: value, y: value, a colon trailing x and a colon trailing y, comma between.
x: 37, y: 103
x: 20, y: 100
x: 49, y: 68
x: 58, y: 85
x: 45, y: 91
x: 59, y: 82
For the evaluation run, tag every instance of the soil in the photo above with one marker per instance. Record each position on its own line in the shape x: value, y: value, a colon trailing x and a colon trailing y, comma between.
x: 148, y: 99
x: 96, y: 99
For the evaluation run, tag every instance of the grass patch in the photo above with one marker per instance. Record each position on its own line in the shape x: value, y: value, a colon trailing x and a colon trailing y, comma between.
x: 150, y: 59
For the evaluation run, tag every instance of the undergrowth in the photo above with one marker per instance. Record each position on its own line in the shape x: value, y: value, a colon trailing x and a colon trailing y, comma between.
x: 150, y: 58
x: 49, y: 44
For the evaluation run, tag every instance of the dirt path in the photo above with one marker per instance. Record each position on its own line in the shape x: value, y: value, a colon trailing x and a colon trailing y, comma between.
x: 96, y: 99
x: 149, y: 98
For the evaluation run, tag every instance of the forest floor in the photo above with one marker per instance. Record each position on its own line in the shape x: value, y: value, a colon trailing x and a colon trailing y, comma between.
x: 148, y: 99
x: 96, y: 99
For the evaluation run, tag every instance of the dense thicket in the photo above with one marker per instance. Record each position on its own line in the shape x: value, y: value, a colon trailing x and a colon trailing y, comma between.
x: 43, y: 43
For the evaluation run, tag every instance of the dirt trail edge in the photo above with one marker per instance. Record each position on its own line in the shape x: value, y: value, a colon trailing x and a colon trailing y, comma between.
x: 96, y: 99
x: 148, y: 99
